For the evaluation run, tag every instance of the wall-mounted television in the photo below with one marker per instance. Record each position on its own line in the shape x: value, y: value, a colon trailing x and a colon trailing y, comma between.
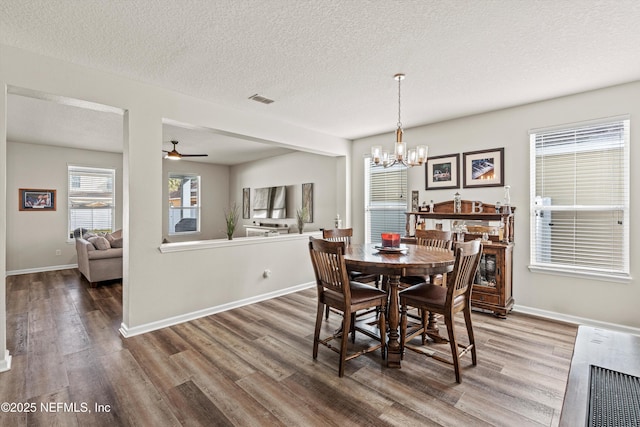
x: 270, y: 202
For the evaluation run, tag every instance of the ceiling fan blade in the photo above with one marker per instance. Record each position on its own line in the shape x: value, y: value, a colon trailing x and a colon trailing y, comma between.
x: 195, y: 155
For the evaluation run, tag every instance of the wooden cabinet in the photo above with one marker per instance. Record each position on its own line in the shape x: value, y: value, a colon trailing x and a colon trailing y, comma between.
x: 492, y: 290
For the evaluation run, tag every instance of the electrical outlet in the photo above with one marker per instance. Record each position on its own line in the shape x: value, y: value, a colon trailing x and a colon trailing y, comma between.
x: 58, y: 252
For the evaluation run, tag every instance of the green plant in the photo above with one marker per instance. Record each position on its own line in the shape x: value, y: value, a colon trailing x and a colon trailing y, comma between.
x: 231, y: 215
x: 302, y: 215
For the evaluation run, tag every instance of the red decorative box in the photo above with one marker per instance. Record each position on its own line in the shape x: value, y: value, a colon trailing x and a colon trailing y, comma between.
x: 391, y: 240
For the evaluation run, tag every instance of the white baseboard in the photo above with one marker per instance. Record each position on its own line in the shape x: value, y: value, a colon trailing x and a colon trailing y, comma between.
x: 41, y: 269
x: 575, y: 319
x: 148, y: 327
x: 5, y: 364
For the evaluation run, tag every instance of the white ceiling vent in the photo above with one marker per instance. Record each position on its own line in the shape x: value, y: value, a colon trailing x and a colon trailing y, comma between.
x: 262, y: 99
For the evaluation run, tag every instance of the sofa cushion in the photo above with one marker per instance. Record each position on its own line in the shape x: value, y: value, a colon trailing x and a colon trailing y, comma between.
x: 109, y: 253
x: 100, y: 243
x: 115, y: 239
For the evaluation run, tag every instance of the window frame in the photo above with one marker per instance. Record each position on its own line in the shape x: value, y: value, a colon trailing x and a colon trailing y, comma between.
x: 388, y: 207
x: 620, y: 210
x: 197, y: 208
x: 75, y: 177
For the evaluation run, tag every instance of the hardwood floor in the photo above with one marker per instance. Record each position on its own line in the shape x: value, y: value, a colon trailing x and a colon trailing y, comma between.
x: 252, y: 366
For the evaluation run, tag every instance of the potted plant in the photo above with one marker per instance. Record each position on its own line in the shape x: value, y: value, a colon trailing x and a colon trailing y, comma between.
x: 231, y: 214
x: 302, y: 214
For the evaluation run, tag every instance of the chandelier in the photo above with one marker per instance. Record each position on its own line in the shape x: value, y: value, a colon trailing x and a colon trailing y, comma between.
x: 412, y: 157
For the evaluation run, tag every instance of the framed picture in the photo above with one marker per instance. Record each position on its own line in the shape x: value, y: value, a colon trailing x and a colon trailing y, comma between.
x: 484, y: 168
x: 36, y: 200
x: 307, y: 200
x: 415, y: 201
x: 443, y: 172
x: 246, y: 203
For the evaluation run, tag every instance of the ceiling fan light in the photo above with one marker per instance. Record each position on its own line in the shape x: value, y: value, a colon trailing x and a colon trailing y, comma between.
x: 172, y: 155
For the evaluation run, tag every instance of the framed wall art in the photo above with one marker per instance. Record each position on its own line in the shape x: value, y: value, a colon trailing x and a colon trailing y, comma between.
x: 36, y: 199
x: 307, y: 200
x: 443, y: 172
x: 483, y: 168
x: 246, y: 203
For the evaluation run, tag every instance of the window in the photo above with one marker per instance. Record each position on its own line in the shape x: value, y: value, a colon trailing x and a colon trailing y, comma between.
x: 184, y: 203
x: 91, y: 199
x: 386, y: 200
x: 580, y: 199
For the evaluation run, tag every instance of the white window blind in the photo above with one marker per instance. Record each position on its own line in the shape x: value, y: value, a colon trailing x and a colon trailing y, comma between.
x: 386, y: 200
x: 580, y: 199
x: 91, y: 199
x: 184, y: 203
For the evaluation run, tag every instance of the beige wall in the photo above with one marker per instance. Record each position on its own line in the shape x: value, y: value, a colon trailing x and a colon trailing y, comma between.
x: 292, y: 170
x: 33, y: 237
x: 565, y: 296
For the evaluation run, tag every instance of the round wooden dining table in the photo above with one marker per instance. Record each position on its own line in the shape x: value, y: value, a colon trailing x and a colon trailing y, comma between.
x: 413, y: 260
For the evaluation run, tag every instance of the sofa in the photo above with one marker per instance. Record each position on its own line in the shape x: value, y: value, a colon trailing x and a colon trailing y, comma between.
x: 99, y: 256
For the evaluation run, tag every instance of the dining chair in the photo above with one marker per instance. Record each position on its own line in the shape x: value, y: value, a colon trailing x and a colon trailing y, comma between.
x: 345, y: 235
x: 447, y: 301
x: 435, y: 239
x: 335, y: 290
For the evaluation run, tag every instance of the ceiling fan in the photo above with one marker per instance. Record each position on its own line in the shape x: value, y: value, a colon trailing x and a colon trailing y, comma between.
x: 174, y: 155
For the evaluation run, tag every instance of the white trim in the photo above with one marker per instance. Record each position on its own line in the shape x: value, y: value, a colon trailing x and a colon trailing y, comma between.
x: 575, y: 319
x: 5, y: 364
x: 41, y: 269
x: 127, y: 332
x: 581, y: 124
x: 237, y: 241
x: 565, y: 271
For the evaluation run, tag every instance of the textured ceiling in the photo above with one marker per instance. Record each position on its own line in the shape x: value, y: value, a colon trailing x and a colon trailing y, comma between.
x: 329, y: 64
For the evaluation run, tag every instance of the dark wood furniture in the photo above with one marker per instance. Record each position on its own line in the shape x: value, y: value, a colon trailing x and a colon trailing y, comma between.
x: 446, y: 301
x: 611, y: 350
x: 338, y: 292
x: 417, y: 261
x: 435, y: 239
x: 345, y: 235
x: 492, y: 290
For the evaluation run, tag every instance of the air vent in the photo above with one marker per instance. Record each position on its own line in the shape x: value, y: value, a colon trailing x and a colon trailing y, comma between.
x: 262, y: 99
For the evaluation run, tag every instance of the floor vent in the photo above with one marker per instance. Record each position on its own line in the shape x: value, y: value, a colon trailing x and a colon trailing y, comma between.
x: 614, y: 399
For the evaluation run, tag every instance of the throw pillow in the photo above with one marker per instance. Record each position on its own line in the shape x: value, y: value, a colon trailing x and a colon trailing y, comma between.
x: 87, y: 235
x: 100, y: 242
x: 116, y: 243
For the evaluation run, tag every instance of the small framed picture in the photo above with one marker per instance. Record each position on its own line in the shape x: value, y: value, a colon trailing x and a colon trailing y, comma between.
x: 443, y: 172
x: 246, y: 203
x: 36, y: 200
x: 484, y: 168
x: 307, y: 200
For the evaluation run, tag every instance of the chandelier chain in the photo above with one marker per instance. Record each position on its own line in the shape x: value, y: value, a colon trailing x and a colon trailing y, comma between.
x: 399, y: 122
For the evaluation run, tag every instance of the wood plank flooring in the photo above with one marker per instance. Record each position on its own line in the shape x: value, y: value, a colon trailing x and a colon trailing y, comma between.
x: 252, y: 366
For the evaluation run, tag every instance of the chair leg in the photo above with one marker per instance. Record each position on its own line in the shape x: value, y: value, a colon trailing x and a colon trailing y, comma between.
x: 316, y: 334
x: 424, y: 318
x: 353, y: 327
x: 448, y: 319
x: 326, y: 312
x: 382, y: 325
x: 472, y: 341
x: 346, y: 327
x: 403, y: 329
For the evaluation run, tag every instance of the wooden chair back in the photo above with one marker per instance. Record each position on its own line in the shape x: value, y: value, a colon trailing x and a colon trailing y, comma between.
x: 338, y: 235
x: 434, y: 238
x: 460, y: 280
x: 327, y: 258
